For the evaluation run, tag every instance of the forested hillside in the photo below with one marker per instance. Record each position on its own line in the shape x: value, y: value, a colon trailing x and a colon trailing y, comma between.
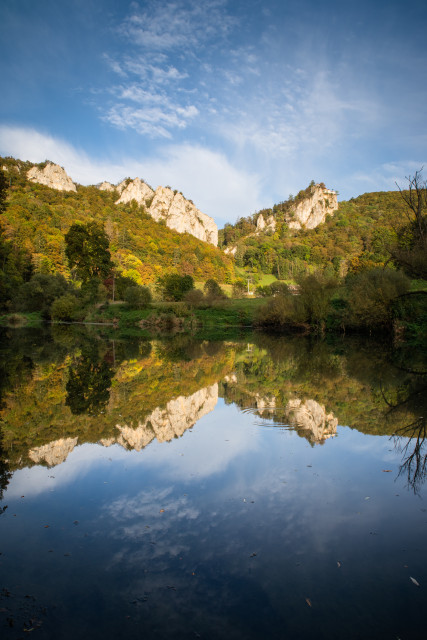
x: 36, y: 219
x: 358, y: 235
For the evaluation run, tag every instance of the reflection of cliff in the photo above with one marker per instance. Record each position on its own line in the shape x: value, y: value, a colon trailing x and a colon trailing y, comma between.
x: 53, y: 453
x: 179, y: 415
x: 308, y: 417
x: 311, y: 418
x: 147, y: 380
x: 165, y: 424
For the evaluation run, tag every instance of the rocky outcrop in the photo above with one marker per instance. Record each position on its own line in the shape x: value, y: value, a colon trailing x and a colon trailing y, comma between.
x: 54, y: 452
x: 171, y: 207
x: 182, y: 215
x: 312, y: 211
x: 53, y: 176
x: 106, y: 186
x: 135, y: 190
x: 265, y: 225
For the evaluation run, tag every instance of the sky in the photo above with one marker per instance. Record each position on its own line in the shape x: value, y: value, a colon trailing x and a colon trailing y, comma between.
x: 236, y: 103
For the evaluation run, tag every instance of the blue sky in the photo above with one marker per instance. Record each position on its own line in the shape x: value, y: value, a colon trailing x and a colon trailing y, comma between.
x: 236, y: 103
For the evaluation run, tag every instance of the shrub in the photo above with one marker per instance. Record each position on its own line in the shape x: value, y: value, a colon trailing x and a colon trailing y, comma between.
x: 38, y: 293
x: 213, y: 291
x: 280, y: 311
x: 64, y: 308
x: 194, y: 298
x: 315, y: 293
x: 239, y: 288
x: 174, y: 287
x: 137, y: 297
x: 371, y: 295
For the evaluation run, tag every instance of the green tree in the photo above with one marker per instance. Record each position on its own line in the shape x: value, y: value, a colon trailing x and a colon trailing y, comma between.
x: 173, y: 286
x: 137, y: 297
x: 3, y: 191
x: 87, y: 251
x: 213, y: 290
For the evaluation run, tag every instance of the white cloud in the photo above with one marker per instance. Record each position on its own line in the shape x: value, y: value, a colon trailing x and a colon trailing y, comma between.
x: 207, y: 177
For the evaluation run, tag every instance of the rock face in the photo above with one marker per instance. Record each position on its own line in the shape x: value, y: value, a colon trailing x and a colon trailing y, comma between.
x: 182, y: 215
x: 265, y: 225
x: 52, y: 176
x: 106, y: 186
x: 170, y: 206
x: 136, y: 190
x: 313, y: 210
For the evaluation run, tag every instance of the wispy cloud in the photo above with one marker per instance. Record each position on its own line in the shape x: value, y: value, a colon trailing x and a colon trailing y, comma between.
x: 179, y: 24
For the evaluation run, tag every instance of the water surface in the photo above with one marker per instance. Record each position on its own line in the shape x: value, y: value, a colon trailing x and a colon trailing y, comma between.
x: 175, y: 488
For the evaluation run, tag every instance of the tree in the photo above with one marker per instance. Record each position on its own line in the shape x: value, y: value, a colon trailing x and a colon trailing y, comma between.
x: 172, y: 286
x: 213, y: 290
x: 410, y: 250
x: 137, y: 297
x: 87, y: 251
x: 3, y: 191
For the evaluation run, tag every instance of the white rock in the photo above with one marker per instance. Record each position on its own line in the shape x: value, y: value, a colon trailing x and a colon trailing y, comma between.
x: 106, y: 186
x: 136, y: 190
x: 52, y: 176
x: 313, y: 210
x: 182, y: 215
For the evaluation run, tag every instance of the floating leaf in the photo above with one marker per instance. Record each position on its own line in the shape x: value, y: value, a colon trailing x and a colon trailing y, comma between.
x: 308, y: 601
x: 416, y: 583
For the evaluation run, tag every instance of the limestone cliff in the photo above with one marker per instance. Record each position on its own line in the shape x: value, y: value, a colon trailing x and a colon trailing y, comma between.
x: 170, y: 206
x: 265, y: 225
x: 136, y: 190
x: 53, y: 176
x: 312, y: 210
x: 182, y: 215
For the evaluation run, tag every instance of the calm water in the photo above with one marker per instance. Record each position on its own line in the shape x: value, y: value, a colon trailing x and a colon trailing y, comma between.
x: 255, y: 488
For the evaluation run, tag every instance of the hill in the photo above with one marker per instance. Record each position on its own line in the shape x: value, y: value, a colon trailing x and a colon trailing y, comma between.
x: 37, y: 218
x: 357, y: 234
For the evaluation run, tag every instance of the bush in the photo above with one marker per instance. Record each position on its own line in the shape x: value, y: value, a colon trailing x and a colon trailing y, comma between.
x: 174, y: 287
x: 371, y: 295
x: 239, y: 288
x: 38, y: 293
x: 213, y: 291
x: 194, y: 298
x: 281, y: 311
x: 64, y: 308
x: 137, y: 297
x: 315, y: 292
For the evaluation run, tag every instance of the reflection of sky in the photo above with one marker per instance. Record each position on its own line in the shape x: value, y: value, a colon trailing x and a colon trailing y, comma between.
x: 230, y: 527
x: 189, y: 460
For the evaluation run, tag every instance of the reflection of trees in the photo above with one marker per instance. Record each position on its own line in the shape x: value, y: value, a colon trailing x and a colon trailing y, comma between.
x: 411, y: 441
x: 5, y: 474
x: 409, y: 408
x: 89, y: 382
